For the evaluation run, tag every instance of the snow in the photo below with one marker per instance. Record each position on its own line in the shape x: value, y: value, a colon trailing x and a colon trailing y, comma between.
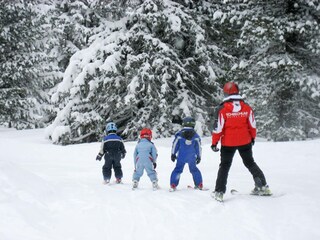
x: 59, y: 131
x: 55, y: 192
x: 218, y: 14
x: 175, y: 22
x: 243, y: 64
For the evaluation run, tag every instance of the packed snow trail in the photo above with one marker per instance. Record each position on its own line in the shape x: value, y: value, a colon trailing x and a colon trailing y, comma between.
x: 55, y: 192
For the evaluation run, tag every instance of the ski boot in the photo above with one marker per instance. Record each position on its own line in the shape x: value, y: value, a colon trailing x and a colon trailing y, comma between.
x: 200, y: 186
x: 118, y: 180
x: 218, y: 196
x: 261, y: 191
x: 173, y: 188
x: 135, y: 184
x: 155, y: 185
x: 106, y: 181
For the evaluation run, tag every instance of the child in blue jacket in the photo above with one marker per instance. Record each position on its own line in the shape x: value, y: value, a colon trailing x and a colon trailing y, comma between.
x: 113, y: 149
x: 145, y: 157
x: 186, y: 148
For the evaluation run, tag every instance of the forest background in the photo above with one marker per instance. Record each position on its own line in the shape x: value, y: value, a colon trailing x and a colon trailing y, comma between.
x: 73, y: 65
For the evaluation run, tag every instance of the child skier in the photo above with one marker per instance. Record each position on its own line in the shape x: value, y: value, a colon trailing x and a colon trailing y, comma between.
x: 186, y: 148
x: 235, y: 126
x: 113, y: 149
x: 145, y: 157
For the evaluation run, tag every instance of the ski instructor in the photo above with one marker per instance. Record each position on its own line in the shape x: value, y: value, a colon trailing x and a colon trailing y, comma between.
x: 235, y: 126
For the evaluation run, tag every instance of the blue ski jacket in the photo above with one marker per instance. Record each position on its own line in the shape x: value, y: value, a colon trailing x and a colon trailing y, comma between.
x: 112, y: 147
x: 186, y: 145
x: 145, y: 152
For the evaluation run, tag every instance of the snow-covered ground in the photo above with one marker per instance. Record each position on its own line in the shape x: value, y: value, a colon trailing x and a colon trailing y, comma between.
x: 51, y: 192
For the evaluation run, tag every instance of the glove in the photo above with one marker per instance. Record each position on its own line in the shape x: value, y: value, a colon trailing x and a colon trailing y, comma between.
x: 154, y: 165
x: 252, y: 141
x: 214, y: 148
x: 198, y: 160
x: 123, y: 155
x: 98, y: 158
x: 173, y: 157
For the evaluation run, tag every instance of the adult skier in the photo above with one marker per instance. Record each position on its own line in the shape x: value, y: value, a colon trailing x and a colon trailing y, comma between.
x: 235, y: 126
x: 113, y: 149
x: 145, y: 158
x: 186, y: 148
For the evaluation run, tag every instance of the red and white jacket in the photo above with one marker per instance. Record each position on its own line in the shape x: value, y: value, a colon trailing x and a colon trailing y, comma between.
x: 234, y: 124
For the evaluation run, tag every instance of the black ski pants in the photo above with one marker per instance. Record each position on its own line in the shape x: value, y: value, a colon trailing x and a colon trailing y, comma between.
x: 226, y: 156
x: 112, y: 162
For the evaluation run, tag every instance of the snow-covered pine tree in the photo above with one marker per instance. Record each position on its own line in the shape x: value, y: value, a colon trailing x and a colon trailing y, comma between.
x: 74, y: 23
x: 88, y: 124
x: 273, y: 77
x: 153, y: 63
x: 50, y: 67
x: 303, y: 41
x: 140, y: 62
x: 68, y: 25
x: 20, y: 100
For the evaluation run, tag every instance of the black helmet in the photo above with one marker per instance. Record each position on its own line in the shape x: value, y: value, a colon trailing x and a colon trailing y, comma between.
x: 188, y: 122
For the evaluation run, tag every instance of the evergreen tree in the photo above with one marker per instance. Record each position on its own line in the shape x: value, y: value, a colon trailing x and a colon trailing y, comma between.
x: 19, y: 69
x: 143, y: 63
x: 149, y: 66
x: 268, y: 65
x: 68, y: 26
x: 303, y: 41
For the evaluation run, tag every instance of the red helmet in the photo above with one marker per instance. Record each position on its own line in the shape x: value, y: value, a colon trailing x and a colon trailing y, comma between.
x: 230, y: 88
x: 146, y: 133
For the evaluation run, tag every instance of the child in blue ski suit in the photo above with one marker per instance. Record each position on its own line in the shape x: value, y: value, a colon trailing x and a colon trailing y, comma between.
x: 113, y: 149
x: 186, y: 148
x: 145, y: 157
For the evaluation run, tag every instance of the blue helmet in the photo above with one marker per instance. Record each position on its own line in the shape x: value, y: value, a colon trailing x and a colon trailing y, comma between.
x: 111, y: 127
x: 188, y: 122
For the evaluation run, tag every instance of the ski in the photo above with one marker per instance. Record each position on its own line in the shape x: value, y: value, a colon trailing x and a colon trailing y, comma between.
x: 236, y: 192
x: 202, y: 189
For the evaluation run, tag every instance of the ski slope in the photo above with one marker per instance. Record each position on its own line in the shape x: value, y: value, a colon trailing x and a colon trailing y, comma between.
x: 50, y: 192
